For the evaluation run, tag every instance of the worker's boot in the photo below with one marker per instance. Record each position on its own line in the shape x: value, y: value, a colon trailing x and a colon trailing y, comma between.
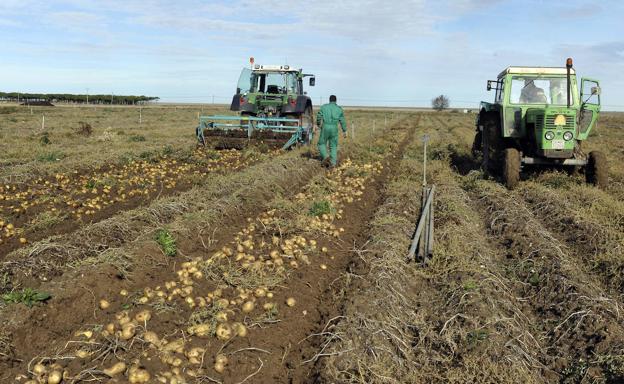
x: 326, y: 162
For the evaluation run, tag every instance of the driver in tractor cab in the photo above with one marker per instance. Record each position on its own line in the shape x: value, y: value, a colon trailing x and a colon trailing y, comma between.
x: 531, y: 94
x: 558, y: 91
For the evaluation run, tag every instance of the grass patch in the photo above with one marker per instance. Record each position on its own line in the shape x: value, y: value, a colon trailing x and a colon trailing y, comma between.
x: 51, y: 157
x: 8, y: 110
x: 234, y: 275
x: 114, y: 257
x: 320, y: 208
x: 47, y: 220
x: 167, y: 242
x: 44, y: 139
x: 136, y: 138
x: 28, y: 297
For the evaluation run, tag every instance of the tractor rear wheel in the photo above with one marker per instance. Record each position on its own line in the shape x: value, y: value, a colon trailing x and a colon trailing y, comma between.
x: 511, y: 171
x: 477, y: 144
x: 492, y: 143
x: 597, y: 170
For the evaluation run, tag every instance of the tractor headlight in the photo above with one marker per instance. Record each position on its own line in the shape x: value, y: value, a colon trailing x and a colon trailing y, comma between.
x: 549, y: 135
x: 567, y: 136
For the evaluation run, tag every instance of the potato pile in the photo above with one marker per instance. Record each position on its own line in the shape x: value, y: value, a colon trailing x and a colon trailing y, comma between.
x: 80, y: 196
x: 223, y: 292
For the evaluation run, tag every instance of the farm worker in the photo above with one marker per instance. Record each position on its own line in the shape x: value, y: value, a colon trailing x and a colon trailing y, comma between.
x: 532, y: 94
x: 327, y: 119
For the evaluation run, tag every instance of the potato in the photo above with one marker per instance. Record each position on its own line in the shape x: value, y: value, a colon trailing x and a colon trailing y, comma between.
x: 81, y: 353
x: 175, y: 346
x: 221, y: 358
x: 260, y: 292
x: 39, y: 369
x: 138, y: 376
x: 221, y: 317
x: 116, y: 369
x: 224, y: 331
x: 55, y: 377
x: 239, y: 329
x: 104, y: 304
x: 143, y: 316
x: 151, y: 337
x: 128, y: 331
x: 200, y: 330
x: 219, y: 367
x: 291, y: 302
x: 248, y: 306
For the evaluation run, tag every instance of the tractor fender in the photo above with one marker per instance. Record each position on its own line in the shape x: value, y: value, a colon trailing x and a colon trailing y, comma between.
x: 299, y: 107
x: 483, y: 115
x: 302, y: 103
x: 235, y: 106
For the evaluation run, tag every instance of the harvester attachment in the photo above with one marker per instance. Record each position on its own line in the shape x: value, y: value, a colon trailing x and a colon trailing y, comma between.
x: 226, y: 132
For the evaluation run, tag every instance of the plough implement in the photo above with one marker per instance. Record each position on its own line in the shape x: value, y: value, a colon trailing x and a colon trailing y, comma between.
x: 224, y: 132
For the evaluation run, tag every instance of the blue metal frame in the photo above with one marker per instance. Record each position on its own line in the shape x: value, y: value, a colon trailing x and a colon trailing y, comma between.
x: 274, y: 124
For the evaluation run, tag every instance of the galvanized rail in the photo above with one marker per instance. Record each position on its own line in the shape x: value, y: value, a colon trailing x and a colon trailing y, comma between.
x: 421, y: 249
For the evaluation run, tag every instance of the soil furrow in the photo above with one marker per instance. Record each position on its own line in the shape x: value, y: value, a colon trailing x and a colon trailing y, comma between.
x: 578, y: 324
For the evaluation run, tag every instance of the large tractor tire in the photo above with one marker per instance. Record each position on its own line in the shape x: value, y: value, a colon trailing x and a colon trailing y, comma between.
x: 511, y: 170
x: 492, y: 143
x: 477, y: 144
x: 597, y: 169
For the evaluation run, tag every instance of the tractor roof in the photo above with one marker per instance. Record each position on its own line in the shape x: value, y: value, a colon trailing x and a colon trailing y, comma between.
x: 535, y: 71
x: 274, y: 68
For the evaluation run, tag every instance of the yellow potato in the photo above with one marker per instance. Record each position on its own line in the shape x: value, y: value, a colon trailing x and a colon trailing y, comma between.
x: 55, y: 377
x: 104, y: 304
x: 116, y: 369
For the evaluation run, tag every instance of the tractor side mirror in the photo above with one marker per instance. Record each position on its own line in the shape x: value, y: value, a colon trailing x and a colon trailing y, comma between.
x: 489, y: 85
x: 595, y: 91
x: 312, y: 81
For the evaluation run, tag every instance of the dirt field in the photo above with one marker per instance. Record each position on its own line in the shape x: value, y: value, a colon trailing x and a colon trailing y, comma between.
x: 198, y: 266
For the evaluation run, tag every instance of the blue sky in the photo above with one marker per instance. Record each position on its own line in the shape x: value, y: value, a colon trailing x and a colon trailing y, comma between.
x: 368, y: 52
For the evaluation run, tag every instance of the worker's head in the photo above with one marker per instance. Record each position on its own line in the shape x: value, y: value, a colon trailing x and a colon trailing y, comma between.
x: 528, y: 81
x: 332, y: 98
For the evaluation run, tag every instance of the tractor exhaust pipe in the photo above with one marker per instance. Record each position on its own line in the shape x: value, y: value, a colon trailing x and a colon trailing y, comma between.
x: 568, y: 68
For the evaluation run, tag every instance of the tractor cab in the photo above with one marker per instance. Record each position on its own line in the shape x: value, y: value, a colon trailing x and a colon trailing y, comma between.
x: 543, y: 113
x: 271, y: 90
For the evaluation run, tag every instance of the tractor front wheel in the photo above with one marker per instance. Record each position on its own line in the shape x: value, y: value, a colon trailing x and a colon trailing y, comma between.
x: 511, y: 171
x: 597, y: 170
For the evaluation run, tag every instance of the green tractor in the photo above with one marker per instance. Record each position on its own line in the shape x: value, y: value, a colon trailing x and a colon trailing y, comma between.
x: 539, y: 118
x: 273, y: 109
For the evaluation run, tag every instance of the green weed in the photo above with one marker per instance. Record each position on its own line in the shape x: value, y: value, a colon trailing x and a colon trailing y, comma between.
x: 28, y: 297
x: 167, y: 242
x: 320, y: 208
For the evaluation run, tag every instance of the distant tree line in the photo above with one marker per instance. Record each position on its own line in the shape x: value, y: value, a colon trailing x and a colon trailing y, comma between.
x: 68, y: 98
